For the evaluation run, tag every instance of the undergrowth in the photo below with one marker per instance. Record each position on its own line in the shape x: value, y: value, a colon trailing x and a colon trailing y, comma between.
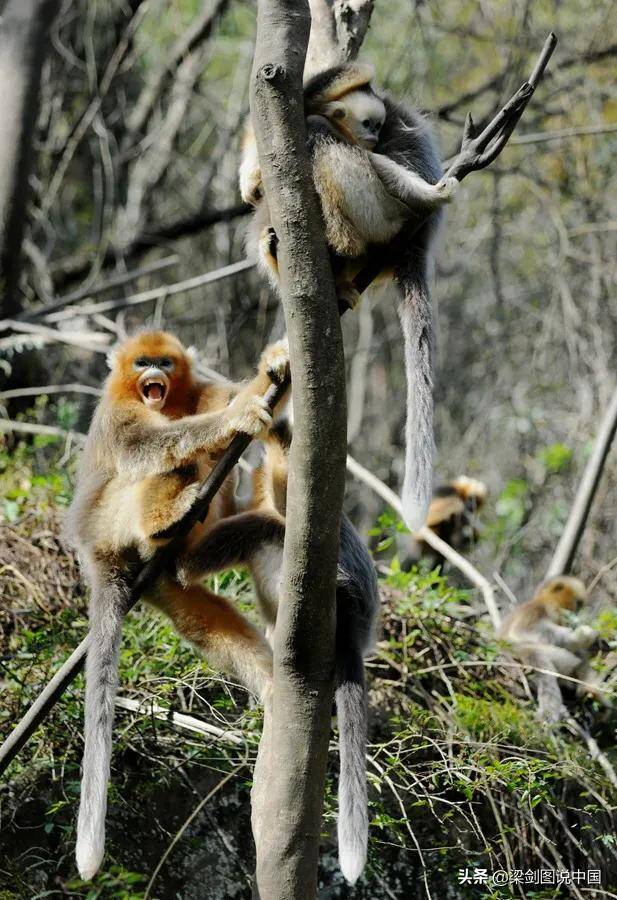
x: 463, y: 777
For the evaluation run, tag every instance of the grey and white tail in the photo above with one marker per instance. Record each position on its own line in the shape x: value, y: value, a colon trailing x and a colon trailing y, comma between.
x: 357, y: 605
x: 106, y: 616
x: 351, y: 710
x: 416, y: 318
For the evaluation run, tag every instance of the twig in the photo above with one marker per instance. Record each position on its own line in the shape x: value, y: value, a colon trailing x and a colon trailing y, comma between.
x: 43, y: 704
x: 32, y: 428
x: 84, y: 340
x: 568, y: 543
x: 428, y: 536
x: 539, y: 137
x: 114, y: 282
x: 166, y: 290
x: 190, y: 723
x: 50, y: 389
x: 594, y: 750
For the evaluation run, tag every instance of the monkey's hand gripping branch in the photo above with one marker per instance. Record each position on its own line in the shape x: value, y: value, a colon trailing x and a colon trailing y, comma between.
x: 477, y: 152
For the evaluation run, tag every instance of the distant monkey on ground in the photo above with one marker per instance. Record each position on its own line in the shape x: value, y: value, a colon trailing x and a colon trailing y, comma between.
x: 452, y: 515
x: 154, y: 436
x: 538, y: 637
x: 255, y: 539
x: 377, y: 173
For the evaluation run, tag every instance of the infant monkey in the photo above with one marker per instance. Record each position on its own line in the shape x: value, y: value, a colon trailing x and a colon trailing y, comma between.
x: 154, y: 436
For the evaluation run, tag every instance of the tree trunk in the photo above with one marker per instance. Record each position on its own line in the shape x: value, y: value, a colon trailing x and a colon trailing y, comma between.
x: 24, y: 28
x: 290, y: 772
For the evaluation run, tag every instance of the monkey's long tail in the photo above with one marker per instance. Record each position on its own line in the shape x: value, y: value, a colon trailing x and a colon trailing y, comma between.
x: 351, y: 708
x: 106, y: 618
x: 357, y: 605
x: 416, y: 318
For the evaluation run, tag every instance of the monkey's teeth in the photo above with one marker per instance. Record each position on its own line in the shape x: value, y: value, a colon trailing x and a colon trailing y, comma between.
x: 154, y: 390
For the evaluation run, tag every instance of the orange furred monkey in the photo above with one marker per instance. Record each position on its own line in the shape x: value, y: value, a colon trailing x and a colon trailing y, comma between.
x: 154, y: 436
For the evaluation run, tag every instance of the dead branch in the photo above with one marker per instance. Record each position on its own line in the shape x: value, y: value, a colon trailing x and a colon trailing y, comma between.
x: 8, y: 425
x: 84, y: 340
x: 199, y: 30
x: 569, y: 541
x: 152, y: 710
x: 89, y: 291
x: 154, y: 235
x: 165, y: 290
x: 50, y: 389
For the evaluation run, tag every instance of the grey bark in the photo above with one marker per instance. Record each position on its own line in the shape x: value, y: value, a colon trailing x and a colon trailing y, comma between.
x: 291, y: 767
x: 24, y: 25
x: 337, y: 30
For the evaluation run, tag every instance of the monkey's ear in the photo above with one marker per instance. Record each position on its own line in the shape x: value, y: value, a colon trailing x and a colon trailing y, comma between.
x: 192, y: 354
x: 112, y: 358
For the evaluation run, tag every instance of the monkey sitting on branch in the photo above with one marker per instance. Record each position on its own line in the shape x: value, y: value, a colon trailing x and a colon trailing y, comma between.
x: 154, y: 436
x: 377, y: 172
x: 254, y: 539
x: 538, y: 637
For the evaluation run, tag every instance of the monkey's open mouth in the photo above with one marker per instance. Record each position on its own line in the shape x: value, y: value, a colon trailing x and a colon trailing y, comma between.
x: 153, y: 387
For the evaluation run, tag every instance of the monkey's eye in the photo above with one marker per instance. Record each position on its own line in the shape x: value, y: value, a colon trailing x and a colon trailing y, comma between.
x: 141, y: 363
x: 366, y: 123
x: 166, y: 363
x: 339, y: 113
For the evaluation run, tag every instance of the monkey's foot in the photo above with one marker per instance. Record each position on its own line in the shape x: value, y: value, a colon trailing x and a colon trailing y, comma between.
x: 275, y: 360
x: 249, y: 414
x: 446, y: 189
x: 348, y: 295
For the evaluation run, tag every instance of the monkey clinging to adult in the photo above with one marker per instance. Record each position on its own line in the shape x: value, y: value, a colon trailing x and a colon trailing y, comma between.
x: 254, y: 538
x: 153, y: 438
x: 378, y: 175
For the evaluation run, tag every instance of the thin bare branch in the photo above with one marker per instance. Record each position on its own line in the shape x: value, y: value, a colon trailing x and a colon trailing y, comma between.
x: 568, y: 543
x: 151, y: 709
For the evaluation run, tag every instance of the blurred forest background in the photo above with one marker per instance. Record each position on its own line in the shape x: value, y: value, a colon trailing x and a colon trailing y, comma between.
x: 136, y: 150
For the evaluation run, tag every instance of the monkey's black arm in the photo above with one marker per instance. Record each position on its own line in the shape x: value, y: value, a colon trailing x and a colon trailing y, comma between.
x: 477, y: 151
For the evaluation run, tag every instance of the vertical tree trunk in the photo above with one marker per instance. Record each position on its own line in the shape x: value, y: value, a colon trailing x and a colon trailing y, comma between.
x: 24, y: 26
x: 291, y: 768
